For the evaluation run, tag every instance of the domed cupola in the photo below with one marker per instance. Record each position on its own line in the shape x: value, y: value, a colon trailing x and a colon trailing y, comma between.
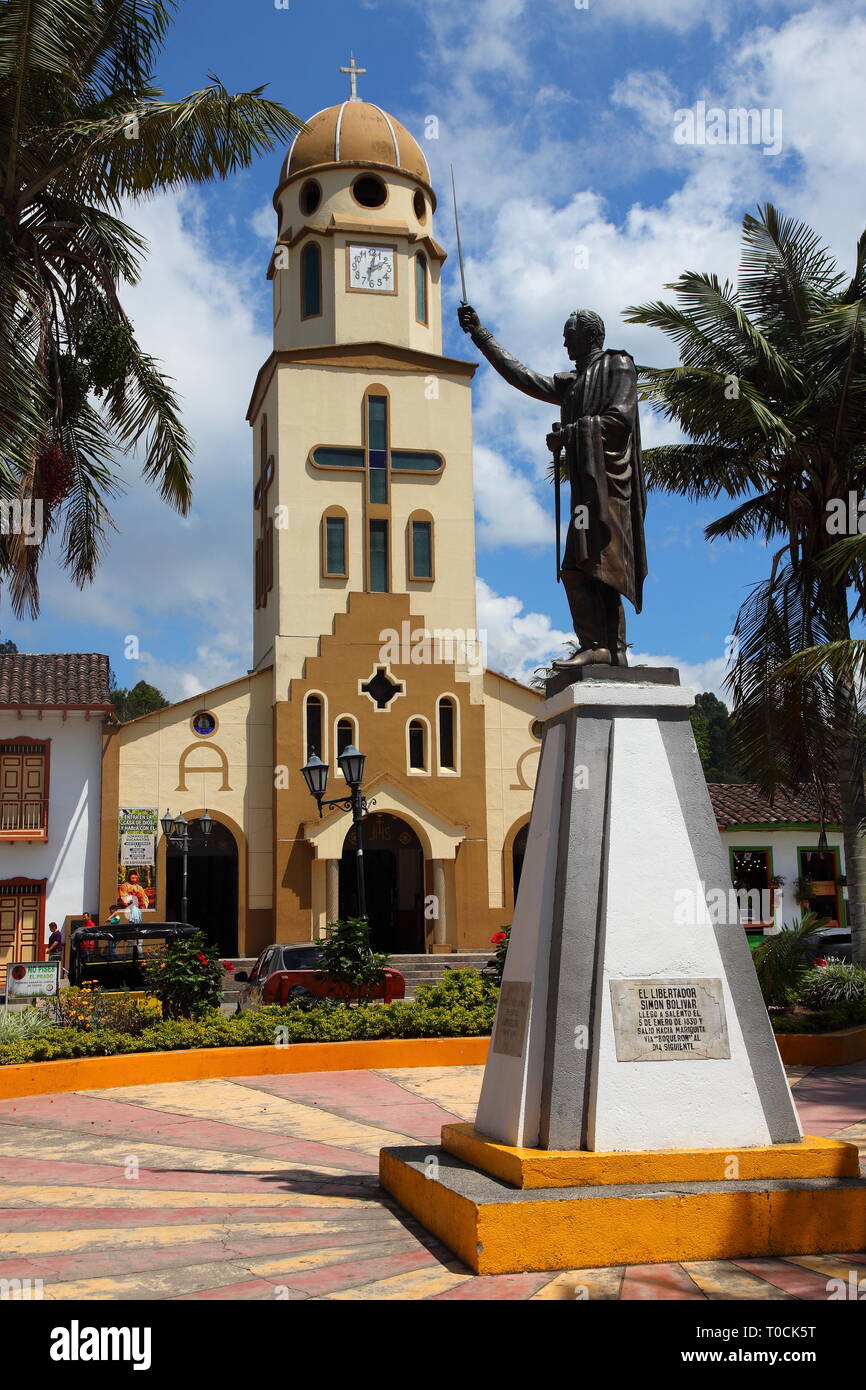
x: 355, y: 259
x: 356, y: 133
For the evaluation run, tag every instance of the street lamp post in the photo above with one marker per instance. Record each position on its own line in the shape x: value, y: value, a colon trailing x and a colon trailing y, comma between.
x: 176, y: 831
x: 351, y: 764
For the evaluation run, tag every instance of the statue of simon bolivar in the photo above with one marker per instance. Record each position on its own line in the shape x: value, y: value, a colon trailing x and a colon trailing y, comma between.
x: 599, y: 437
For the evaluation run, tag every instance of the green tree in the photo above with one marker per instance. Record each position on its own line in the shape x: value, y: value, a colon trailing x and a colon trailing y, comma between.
x: 702, y: 738
x: 771, y: 392
x: 141, y: 699
x: 8, y: 647
x: 83, y: 132
x: 712, y: 725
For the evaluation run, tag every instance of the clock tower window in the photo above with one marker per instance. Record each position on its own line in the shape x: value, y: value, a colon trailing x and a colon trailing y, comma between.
x: 421, y: 311
x: 420, y: 547
x: 311, y: 196
x: 334, y: 544
x: 377, y: 448
x: 378, y: 557
x: 311, y: 281
x: 369, y: 191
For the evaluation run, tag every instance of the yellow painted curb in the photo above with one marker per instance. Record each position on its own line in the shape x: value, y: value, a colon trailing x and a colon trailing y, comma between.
x: 823, y: 1049
x: 516, y: 1233
x: 537, y: 1168
x: 198, y: 1064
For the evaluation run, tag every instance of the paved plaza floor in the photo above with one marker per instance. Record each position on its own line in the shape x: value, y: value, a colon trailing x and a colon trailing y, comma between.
x: 265, y: 1188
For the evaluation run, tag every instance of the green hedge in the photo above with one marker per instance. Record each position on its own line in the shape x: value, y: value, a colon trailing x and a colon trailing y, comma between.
x: 256, y: 1028
x: 825, y: 1021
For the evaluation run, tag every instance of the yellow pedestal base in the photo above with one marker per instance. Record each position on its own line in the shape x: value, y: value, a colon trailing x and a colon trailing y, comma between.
x: 535, y: 1168
x: 611, y: 1220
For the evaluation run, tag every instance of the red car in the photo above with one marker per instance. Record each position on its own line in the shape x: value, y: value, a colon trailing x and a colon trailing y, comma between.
x: 284, y: 973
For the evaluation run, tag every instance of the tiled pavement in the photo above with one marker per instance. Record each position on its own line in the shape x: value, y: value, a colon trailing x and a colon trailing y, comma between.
x: 265, y: 1187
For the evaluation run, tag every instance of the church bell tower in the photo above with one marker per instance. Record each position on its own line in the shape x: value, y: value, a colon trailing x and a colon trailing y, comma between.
x: 364, y: 534
x: 362, y: 428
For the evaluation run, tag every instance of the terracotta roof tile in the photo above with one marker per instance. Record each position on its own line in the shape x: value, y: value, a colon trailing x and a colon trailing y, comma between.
x: 746, y: 804
x: 69, y: 678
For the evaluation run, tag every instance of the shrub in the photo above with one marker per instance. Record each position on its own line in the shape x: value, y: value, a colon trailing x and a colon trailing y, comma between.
x: 468, y: 988
x: 837, y: 982
x: 21, y: 1023
x: 186, y: 977
x: 827, y: 1021
x: 782, y: 960
x: 89, y: 1008
x: 348, y: 959
x: 261, y: 1027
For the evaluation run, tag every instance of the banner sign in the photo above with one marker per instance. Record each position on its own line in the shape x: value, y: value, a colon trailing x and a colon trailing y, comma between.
x: 32, y: 979
x: 138, y: 828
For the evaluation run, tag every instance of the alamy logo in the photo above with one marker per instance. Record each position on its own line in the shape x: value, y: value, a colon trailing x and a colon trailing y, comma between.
x: 77, y: 1343
x: 20, y: 1289
x: 713, y: 125
x: 22, y: 519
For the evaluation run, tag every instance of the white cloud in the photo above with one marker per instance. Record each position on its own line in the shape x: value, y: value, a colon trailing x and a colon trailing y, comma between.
x: 516, y: 642
x: 703, y: 675
x: 509, y: 512
x: 264, y: 221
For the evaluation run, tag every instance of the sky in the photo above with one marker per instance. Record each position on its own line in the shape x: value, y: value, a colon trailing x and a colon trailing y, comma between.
x: 559, y: 117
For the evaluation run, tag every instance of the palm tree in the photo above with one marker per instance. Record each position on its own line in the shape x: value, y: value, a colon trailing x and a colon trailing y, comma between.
x: 83, y: 130
x: 771, y: 393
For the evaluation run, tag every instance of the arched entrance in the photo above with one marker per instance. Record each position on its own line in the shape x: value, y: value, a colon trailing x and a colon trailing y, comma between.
x: 394, y: 880
x: 212, y: 885
x: 518, y: 853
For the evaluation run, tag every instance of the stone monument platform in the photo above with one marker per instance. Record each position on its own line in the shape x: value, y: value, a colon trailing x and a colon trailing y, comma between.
x: 634, y: 1105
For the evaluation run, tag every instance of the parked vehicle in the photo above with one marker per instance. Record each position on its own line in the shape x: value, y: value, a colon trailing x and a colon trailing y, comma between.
x: 833, y: 941
x: 286, y: 973
x: 112, y: 956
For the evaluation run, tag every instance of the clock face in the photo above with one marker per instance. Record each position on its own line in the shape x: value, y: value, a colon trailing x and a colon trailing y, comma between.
x: 371, y: 268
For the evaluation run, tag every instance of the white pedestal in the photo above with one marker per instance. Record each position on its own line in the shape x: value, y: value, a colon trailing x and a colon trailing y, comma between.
x: 615, y: 954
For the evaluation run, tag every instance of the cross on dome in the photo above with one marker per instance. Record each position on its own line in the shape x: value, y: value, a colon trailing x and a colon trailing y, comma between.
x: 353, y: 72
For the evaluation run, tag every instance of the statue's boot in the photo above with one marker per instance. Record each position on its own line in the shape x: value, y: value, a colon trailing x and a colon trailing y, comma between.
x: 586, y: 656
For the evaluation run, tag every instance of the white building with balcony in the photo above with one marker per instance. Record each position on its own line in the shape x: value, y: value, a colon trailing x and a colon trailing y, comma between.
x: 53, y: 709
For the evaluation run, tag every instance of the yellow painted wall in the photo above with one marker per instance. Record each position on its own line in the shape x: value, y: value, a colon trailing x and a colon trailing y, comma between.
x: 159, y: 754
x: 512, y: 764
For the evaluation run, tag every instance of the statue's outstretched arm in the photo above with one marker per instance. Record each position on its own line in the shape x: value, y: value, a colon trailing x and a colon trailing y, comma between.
x: 541, y: 388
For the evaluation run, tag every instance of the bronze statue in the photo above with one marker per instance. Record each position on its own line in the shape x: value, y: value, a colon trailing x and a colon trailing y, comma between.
x: 605, y: 550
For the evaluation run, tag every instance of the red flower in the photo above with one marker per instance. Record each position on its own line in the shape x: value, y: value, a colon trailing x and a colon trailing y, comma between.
x: 202, y: 958
x: 227, y: 965
x: 498, y: 939
x: 820, y: 960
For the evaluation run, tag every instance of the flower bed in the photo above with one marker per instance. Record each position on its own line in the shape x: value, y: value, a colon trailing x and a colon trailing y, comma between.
x: 463, y: 1008
x: 837, y: 1049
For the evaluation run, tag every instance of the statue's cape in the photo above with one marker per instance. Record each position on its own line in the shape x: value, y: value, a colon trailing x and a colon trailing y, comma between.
x: 606, y: 471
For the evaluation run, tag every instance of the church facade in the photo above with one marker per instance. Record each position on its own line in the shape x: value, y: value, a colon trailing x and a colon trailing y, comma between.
x: 362, y: 516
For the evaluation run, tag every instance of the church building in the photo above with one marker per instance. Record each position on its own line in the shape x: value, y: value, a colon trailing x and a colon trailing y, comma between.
x: 362, y: 518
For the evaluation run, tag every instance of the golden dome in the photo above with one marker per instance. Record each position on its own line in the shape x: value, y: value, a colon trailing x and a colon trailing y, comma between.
x: 356, y: 133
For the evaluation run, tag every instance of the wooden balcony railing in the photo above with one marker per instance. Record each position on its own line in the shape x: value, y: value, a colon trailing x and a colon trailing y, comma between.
x: 23, y: 818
